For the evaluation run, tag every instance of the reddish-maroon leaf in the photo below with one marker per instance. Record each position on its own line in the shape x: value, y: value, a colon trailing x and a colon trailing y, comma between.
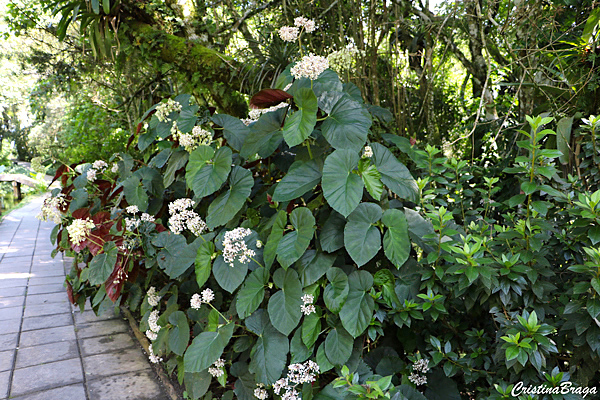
x: 269, y: 97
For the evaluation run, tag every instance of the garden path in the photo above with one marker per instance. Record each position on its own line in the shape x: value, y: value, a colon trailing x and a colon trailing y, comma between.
x: 48, y: 349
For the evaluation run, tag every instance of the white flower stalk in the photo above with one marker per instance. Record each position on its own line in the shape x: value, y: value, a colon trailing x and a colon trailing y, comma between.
x: 163, y: 110
x: 153, y: 321
x: 234, y: 246
x: 153, y: 357
x: 100, y: 165
x: 132, y: 209
x: 151, y: 335
x: 50, y: 210
x: 153, y: 297
x: 308, y: 308
x: 79, y: 230
x: 147, y: 217
x: 310, y: 67
x: 260, y: 392
x: 182, y: 218
x: 367, y: 152
x: 289, y: 33
x: 307, y: 24
x: 255, y: 113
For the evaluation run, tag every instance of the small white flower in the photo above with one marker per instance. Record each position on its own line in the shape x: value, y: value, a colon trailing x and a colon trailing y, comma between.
x: 308, y: 309
x: 50, y: 210
x: 279, y: 385
x: 287, y: 87
x: 260, y: 392
x: 180, y: 205
x: 308, y: 298
x: 310, y: 67
x: 421, y: 365
x: 153, y: 297
x: 99, y: 164
x: 288, y: 33
x: 131, y: 224
x: 216, y: 372
x: 196, y: 301
x: 307, y: 24
x: 153, y: 321
x: 147, y: 217
x: 259, y: 244
x: 220, y: 363
x: 79, y: 230
x: 114, y: 168
x: 91, y: 175
x: 234, y: 246
x: 417, y: 379
x: 248, y: 121
x: 153, y: 358
x: 207, y: 295
x: 151, y: 335
x: 132, y: 209
x: 367, y: 152
x: 163, y: 110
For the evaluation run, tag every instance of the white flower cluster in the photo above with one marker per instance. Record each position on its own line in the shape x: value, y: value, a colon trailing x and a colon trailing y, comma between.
x: 342, y: 59
x: 217, y: 369
x: 234, y: 246
x: 79, y: 229
x: 132, y: 209
x: 153, y: 297
x: 191, y: 141
x: 164, y: 109
x: 97, y: 166
x: 260, y: 392
x: 308, y: 308
x: 419, y: 367
x: 50, y: 210
x: 153, y: 321
x: 121, y: 276
x: 307, y: 24
x: 206, y: 296
x: 310, y: 67
x: 367, y: 152
x: 151, y: 335
x: 181, y: 218
x: 147, y: 217
x: 288, y: 33
x: 131, y: 224
x: 153, y: 357
x: 114, y: 168
x: 298, y: 374
x: 255, y: 113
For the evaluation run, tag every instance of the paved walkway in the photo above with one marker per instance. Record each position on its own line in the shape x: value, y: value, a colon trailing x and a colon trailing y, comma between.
x: 48, y: 349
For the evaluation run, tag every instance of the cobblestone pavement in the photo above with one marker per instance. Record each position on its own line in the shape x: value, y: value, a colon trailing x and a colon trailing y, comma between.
x: 49, y: 350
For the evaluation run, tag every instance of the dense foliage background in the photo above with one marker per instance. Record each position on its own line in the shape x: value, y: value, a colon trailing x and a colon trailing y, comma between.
x: 421, y: 221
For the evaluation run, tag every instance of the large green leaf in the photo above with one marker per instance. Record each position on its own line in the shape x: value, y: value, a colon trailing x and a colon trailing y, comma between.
x: 396, y: 243
x: 274, y: 238
x: 284, y: 306
x: 228, y: 277
x: 293, y: 245
x: 298, y: 349
x: 187, y: 118
x: 302, y: 122
x: 103, y: 264
x: 234, y: 130
x: 372, y: 180
x: 313, y: 265
x: 300, y: 178
x: 394, y: 174
x: 332, y: 233
x: 336, y: 291
x: 361, y: 237
x: 347, y: 125
x: 176, y: 256
x: 177, y: 161
x: 197, y: 383
x: 206, y: 348
x: 265, y: 135
x: 358, y: 309
x: 179, y: 336
x: 203, y: 262
x: 252, y: 293
x: 134, y: 192
x: 206, y: 171
x: 338, y: 346
x: 224, y: 207
x: 342, y: 188
x: 269, y: 355
x: 311, y: 328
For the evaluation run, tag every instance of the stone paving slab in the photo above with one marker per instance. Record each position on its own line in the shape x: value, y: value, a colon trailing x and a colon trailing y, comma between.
x: 72, y: 392
x: 131, y: 386
x: 50, y: 350
x: 46, y: 353
x: 47, y: 376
